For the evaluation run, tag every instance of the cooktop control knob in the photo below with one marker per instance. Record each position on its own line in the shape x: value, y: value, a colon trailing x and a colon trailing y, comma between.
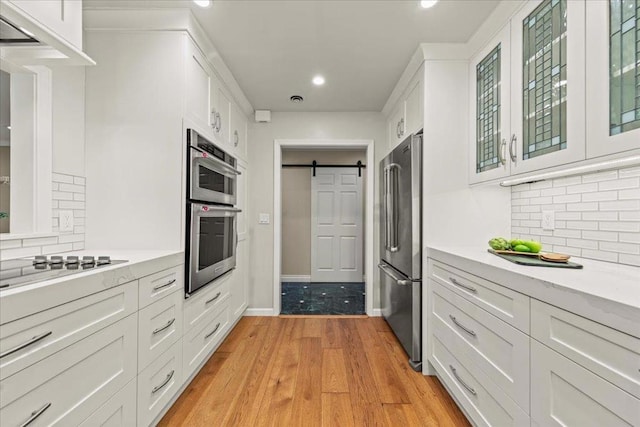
x: 88, y: 260
x: 56, y: 260
x: 103, y: 260
x: 40, y: 260
x: 72, y: 260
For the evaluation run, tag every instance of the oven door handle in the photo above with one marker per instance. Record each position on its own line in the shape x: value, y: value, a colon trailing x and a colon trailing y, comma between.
x: 222, y: 209
x: 215, y: 163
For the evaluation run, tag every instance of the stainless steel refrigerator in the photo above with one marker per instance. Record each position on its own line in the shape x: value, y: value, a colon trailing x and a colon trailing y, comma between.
x: 401, y: 245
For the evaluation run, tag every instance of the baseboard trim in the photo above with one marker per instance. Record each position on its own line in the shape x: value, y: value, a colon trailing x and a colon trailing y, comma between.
x: 300, y: 279
x: 259, y: 312
x: 376, y: 312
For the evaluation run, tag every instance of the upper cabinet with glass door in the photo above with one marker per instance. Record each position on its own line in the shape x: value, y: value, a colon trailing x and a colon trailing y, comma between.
x: 548, y: 80
x: 489, y: 74
x: 613, y: 77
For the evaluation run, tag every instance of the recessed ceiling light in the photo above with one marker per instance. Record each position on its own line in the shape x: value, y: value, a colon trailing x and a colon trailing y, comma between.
x: 318, y: 80
x: 426, y: 4
x: 202, y: 3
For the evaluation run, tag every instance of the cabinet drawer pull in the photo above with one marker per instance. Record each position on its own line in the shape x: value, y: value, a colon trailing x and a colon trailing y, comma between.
x: 212, y: 332
x: 169, y: 323
x: 164, y: 383
x: 35, y: 414
x: 213, y: 299
x: 169, y: 283
x: 464, y: 328
x: 465, y: 385
x: 27, y: 344
x: 463, y: 286
x: 501, y: 147
x: 236, y: 138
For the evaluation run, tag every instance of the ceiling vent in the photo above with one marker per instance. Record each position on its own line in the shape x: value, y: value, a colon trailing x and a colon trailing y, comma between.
x: 296, y: 99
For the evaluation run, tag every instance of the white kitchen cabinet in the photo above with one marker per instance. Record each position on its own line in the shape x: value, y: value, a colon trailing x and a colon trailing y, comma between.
x: 200, y: 341
x: 198, y: 82
x: 33, y: 338
x: 490, y: 92
x: 159, y: 327
x: 566, y: 394
x: 221, y: 111
x: 119, y: 411
x: 62, y: 17
x: 613, y: 123
x: 158, y: 383
x: 158, y: 285
x: 407, y: 116
x: 537, y: 121
x: 70, y: 385
x: 238, y: 131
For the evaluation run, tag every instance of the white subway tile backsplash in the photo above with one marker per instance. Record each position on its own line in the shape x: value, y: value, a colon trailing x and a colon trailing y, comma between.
x: 68, y: 192
x: 568, y: 198
x: 629, y: 259
x: 621, y: 205
x: 588, y: 206
x: 629, y: 194
x: 582, y: 188
x: 600, y: 196
x: 58, y: 177
x: 607, y: 236
x: 621, y: 226
x: 623, y: 248
x: 582, y: 244
x: 600, y: 255
x: 597, y: 215
x: 600, y: 176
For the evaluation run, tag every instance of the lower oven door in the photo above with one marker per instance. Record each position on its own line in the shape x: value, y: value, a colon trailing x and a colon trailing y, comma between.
x: 211, y: 247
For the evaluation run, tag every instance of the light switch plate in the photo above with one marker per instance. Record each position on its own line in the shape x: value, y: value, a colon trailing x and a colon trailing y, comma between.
x: 548, y: 220
x: 66, y: 220
x: 264, y: 218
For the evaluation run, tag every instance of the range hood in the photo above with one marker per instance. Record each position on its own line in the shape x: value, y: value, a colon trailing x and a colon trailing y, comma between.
x: 13, y: 35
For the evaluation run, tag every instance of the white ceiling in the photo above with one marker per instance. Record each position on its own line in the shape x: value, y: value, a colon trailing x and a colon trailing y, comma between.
x: 274, y: 48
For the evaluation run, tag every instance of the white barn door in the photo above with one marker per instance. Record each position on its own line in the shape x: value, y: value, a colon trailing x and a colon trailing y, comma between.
x: 336, y: 225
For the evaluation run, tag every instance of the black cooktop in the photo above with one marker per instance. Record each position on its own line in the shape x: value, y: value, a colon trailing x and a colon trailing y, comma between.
x: 23, y: 271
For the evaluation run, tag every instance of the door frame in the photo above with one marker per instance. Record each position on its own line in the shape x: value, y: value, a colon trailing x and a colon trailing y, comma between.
x: 334, y: 144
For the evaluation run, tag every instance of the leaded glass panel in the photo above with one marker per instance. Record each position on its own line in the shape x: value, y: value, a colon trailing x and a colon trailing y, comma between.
x: 488, y: 111
x: 624, y: 65
x: 544, y: 78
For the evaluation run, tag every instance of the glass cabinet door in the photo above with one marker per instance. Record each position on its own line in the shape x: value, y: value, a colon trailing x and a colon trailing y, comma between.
x: 613, y: 76
x: 489, y: 74
x: 548, y: 100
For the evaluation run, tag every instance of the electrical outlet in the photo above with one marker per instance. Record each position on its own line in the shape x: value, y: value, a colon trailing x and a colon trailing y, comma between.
x: 548, y: 220
x: 66, y: 220
x: 264, y: 218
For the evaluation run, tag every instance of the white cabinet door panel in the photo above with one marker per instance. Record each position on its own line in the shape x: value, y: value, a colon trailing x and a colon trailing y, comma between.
x: 119, y: 411
x: 565, y: 394
x: 160, y: 325
x: 198, y: 82
x: 71, y: 384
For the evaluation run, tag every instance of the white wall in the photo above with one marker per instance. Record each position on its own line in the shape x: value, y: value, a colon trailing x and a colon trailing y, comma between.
x: 365, y: 125
x: 454, y: 213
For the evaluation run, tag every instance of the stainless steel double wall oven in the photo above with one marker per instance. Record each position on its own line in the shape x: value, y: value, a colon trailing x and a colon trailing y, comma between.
x: 211, y: 235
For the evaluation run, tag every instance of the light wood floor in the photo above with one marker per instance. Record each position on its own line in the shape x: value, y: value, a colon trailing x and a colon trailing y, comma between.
x: 332, y: 371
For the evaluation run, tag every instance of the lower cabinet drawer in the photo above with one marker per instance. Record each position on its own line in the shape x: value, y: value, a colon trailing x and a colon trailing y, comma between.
x: 564, y: 393
x: 199, y: 342
x: 119, y: 411
x: 160, y: 325
x: 484, y: 402
x: 158, y: 383
x: 158, y: 285
x: 497, y: 348
x: 201, y: 304
x: 612, y: 354
x: 67, y: 387
x: 26, y: 341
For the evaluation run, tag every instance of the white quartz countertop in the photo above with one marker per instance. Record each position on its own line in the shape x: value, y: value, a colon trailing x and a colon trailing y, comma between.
x: 28, y: 299
x: 604, y: 292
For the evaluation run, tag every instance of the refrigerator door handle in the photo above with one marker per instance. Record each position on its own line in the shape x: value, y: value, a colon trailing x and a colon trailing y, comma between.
x: 391, y: 206
x: 389, y: 272
x: 387, y: 229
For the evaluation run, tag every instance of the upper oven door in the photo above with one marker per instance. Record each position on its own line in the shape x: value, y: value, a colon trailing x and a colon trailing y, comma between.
x: 212, y: 246
x: 212, y: 180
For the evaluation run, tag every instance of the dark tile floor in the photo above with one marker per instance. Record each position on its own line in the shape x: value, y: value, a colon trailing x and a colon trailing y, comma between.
x: 322, y: 298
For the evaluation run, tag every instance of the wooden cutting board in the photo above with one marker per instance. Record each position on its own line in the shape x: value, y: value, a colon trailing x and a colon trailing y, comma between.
x: 547, y: 256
